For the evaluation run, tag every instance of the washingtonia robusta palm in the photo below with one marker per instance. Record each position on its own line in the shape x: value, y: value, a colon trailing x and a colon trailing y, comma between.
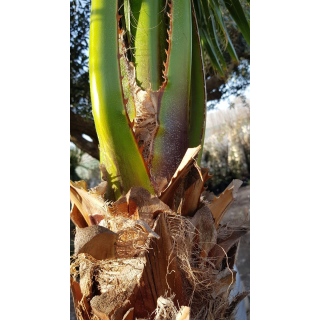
x: 158, y: 245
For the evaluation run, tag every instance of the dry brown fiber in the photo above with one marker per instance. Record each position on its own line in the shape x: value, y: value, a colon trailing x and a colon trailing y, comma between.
x: 160, y: 255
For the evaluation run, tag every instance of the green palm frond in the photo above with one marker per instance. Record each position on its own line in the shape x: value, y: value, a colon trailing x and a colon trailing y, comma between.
x: 147, y: 82
x: 212, y: 16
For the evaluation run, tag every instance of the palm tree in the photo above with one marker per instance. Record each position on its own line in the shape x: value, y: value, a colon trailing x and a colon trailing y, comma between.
x: 157, y: 246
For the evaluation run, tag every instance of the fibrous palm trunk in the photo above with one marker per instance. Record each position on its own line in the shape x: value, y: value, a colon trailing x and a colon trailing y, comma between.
x: 149, y: 257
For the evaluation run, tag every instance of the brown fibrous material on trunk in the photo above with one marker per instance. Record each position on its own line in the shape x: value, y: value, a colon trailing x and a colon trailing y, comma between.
x: 163, y: 259
x: 145, y: 122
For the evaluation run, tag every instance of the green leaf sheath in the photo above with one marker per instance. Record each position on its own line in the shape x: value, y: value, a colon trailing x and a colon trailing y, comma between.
x: 171, y: 141
x: 148, y: 40
x: 127, y: 16
x: 237, y: 13
x: 119, y: 151
x: 197, y: 119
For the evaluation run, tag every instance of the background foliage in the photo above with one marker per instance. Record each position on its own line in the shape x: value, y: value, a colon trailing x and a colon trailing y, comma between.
x: 227, y: 146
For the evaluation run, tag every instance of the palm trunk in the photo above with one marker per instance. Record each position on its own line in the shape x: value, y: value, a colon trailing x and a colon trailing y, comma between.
x: 144, y: 258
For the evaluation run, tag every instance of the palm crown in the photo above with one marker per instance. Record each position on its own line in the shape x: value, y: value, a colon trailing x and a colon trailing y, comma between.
x: 147, y: 82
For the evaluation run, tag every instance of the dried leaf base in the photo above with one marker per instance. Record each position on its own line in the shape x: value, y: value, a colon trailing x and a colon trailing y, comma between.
x: 148, y: 257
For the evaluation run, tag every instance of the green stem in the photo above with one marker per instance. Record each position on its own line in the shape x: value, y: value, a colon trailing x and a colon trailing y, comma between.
x: 148, y: 29
x: 171, y: 141
x: 124, y: 164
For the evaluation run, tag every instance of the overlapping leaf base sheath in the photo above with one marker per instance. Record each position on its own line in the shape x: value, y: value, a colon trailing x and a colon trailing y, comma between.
x: 142, y: 257
x: 142, y: 101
